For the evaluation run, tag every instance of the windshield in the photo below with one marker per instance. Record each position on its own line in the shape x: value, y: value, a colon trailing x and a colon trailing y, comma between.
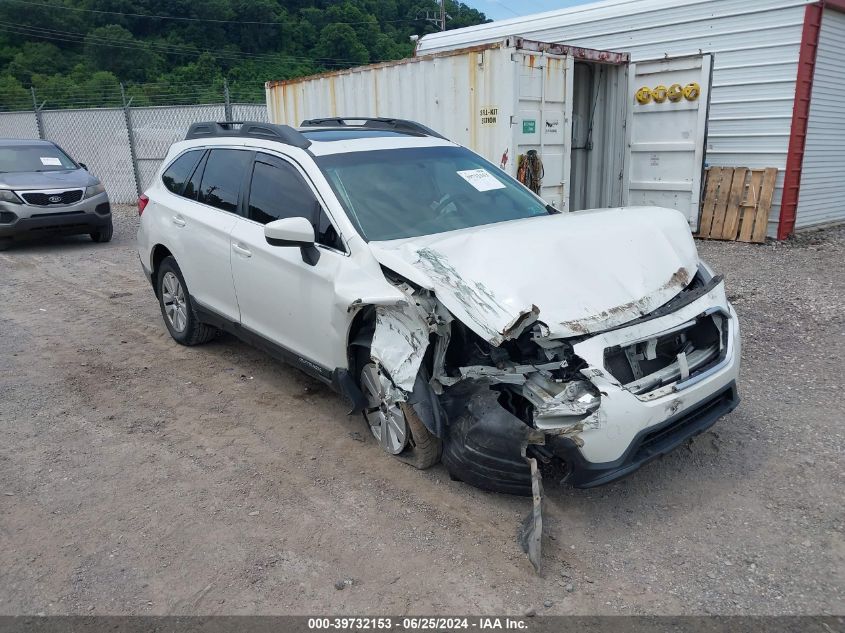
x: 34, y: 158
x: 392, y: 194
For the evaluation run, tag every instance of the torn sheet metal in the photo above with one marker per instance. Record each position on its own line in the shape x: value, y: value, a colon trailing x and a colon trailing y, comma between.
x: 401, y: 335
x: 399, y: 342
x: 473, y: 302
x: 530, y: 535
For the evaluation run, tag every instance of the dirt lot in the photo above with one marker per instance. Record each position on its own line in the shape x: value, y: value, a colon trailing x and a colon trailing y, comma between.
x: 139, y: 477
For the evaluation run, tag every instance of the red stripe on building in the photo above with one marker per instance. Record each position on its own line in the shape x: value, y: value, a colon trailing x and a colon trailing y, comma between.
x: 800, y: 116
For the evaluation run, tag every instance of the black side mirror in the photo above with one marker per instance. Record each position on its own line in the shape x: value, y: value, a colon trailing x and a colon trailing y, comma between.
x: 84, y: 166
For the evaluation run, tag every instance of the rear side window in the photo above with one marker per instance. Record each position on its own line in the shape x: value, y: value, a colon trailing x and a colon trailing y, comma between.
x: 193, y: 185
x: 222, y: 177
x: 175, y: 176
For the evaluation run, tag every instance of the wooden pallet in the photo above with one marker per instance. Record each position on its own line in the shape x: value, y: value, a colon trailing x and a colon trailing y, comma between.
x: 736, y: 203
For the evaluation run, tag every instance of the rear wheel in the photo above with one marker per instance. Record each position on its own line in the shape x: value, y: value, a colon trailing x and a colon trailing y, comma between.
x: 103, y: 234
x: 394, y: 423
x: 176, y: 307
x: 5, y: 242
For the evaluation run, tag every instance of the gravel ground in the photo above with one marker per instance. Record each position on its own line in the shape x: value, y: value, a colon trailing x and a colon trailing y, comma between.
x: 141, y: 477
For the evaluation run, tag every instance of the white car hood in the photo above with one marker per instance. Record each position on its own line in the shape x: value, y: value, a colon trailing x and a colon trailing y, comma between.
x: 577, y: 273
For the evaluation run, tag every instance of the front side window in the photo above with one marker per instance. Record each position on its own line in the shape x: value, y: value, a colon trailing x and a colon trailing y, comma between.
x: 408, y: 192
x: 175, y: 176
x: 41, y: 157
x: 279, y: 191
x: 222, y: 177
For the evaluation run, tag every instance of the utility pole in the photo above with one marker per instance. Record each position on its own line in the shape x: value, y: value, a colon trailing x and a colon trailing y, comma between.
x: 442, y: 15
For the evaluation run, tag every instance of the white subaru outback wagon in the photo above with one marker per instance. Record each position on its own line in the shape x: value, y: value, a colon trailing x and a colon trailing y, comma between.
x: 464, y: 317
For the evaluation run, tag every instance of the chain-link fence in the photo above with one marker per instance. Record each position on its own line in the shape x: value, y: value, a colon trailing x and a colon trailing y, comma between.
x: 123, y: 147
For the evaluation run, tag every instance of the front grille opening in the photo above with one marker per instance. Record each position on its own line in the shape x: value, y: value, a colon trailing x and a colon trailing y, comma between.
x: 7, y: 217
x: 42, y: 199
x: 666, y: 358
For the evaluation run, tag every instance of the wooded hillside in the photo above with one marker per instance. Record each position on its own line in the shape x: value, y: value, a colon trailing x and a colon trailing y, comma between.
x: 76, y: 52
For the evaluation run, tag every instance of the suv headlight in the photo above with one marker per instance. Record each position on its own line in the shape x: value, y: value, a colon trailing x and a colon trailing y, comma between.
x: 9, y: 196
x: 93, y: 190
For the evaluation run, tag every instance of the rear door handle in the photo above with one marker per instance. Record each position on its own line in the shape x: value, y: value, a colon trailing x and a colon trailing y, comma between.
x: 178, y: 220
x: 240, y: 250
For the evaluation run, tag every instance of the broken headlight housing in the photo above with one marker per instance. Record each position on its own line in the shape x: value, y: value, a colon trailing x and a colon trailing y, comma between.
x: 558, y: 403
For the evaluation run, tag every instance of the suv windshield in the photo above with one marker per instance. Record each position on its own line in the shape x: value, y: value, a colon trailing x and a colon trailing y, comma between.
x: 408, y: 192
x: 34, y: 158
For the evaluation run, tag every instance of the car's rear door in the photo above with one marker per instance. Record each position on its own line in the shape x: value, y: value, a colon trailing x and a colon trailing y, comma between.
x: 283, y: 298
x: 202, y: 222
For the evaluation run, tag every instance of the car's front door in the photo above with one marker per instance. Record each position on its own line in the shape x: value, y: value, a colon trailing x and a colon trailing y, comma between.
x: 282, y: 297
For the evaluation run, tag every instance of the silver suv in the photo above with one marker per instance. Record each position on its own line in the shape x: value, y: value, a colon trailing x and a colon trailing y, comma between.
x: 43, y: 190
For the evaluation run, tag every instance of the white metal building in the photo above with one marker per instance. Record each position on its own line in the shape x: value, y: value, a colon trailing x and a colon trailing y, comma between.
x: 778, y: 85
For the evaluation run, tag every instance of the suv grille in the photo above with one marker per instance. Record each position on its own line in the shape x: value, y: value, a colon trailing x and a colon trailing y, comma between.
x: 43, y: 199
x: 675, y: 355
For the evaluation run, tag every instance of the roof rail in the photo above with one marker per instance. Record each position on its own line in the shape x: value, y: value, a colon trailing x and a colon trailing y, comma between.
x: 252, y: 129
x: 375, y: 123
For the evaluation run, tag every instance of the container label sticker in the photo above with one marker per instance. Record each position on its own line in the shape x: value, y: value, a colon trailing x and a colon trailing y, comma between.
x: 489, y: 115
x: 529, y: 126
x: 553, y: 126
x: 481, y: 179
x: 50, y: 160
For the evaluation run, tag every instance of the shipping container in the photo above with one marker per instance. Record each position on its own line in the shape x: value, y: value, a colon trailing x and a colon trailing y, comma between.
x: 600, y: 145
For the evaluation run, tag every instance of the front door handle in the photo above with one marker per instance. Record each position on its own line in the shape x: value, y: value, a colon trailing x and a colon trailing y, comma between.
x: 178, y: 220
x: 240, y: 250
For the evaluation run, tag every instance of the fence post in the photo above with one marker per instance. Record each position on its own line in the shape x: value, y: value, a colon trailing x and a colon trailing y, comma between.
x: 127, y: 114
x: 39, y: 122
x: 227, y: 105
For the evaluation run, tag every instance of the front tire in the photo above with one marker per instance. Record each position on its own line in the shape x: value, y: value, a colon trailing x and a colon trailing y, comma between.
x: 176, y: 306
x: 395, y: 425
x: 103, y: 234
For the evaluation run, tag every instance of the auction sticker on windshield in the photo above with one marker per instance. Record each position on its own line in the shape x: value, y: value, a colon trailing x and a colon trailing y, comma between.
x: 481, y: 179
x: 50, y: 160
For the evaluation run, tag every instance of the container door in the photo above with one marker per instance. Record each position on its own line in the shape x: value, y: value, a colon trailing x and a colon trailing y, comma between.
x: 543, y: 119
x: 667, y: 128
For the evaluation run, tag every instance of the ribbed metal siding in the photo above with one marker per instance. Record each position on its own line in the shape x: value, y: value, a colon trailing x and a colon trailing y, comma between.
x: 755, y: 45
x: 821, y: 198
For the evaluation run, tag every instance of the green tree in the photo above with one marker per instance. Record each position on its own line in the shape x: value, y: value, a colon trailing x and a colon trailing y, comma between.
x: 339, y: 46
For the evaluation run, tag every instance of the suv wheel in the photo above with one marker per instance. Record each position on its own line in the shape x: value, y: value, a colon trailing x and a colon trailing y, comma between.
x: 176, y: 308
x: 103, y: 234
x: 395, y: 424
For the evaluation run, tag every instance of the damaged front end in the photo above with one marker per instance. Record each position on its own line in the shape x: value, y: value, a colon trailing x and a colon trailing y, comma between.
x: 521, y: 402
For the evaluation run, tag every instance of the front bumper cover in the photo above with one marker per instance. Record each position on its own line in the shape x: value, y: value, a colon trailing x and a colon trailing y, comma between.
x: 86, y: 216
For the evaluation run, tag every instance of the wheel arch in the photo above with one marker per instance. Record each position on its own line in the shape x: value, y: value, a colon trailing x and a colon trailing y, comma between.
x: 159, y: 253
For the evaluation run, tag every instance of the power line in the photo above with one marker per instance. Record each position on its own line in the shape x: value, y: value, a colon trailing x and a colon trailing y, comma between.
x: 186, y: 19
x: 170, y: 49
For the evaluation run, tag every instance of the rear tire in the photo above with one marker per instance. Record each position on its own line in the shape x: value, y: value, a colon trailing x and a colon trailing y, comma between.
x: 5, y: 242
x: 177, y: 310
x: 103, y: 234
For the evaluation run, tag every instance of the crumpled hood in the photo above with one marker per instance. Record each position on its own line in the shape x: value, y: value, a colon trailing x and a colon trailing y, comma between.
x: 78, y: 178
x: 577, y: 273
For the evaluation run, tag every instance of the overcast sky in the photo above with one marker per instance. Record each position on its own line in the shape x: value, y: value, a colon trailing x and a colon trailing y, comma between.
x: 503, y: 9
